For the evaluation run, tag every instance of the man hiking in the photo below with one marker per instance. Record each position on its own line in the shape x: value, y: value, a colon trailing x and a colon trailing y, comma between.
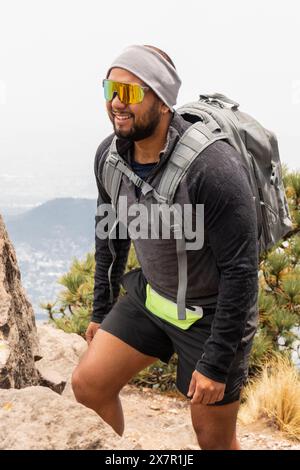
x: 203, y: 308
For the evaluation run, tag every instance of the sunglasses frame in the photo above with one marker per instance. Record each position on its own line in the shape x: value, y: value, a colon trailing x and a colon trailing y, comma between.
x: 144, y: 88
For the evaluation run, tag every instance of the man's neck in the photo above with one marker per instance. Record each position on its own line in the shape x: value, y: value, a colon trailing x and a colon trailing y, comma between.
x: 148, y: 150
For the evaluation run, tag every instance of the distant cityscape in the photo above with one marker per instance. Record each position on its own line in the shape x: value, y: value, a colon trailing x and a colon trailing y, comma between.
x: 47, y: 234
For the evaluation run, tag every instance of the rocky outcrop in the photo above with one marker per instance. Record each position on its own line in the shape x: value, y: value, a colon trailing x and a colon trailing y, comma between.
x: 36, y: 418
x: 18, y: 336
x: 60, y: 354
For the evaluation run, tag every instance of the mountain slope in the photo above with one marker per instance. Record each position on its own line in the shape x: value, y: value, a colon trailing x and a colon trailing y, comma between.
x: 62, y: 217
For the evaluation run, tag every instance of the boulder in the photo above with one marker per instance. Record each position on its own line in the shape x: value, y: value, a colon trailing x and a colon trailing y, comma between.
x: 36, y: 418
x: 60, y: 353
x: 18, y: 335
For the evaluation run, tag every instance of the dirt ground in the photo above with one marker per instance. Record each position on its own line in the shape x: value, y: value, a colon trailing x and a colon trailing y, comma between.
x: 156, y: 421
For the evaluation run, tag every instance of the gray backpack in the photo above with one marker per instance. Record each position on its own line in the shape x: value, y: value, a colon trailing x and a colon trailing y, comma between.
x: 214, y: 117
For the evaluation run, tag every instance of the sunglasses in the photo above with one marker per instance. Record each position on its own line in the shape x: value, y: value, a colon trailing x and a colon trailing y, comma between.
x: 128, y: 93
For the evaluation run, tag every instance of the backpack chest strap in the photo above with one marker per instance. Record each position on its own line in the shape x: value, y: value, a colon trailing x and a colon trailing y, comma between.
x: 116, y: 163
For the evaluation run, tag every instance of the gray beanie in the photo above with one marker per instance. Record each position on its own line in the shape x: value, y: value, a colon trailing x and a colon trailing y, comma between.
x: 153, y: 69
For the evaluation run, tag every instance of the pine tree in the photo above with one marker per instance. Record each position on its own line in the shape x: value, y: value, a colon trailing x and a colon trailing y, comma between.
x: 279, y: 296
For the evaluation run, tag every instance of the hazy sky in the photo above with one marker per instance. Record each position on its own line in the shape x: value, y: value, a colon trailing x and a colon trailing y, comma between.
x: 53, y: 55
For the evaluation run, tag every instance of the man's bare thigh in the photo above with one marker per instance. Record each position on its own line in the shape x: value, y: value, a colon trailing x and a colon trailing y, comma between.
x: 110, y: 362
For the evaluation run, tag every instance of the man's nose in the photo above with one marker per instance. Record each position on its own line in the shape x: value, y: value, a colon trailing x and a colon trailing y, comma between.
x: 117, y: 103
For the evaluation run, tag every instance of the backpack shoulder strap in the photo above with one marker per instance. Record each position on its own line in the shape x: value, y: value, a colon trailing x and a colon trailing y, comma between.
x: 195, y: 139
x: 112, y: 172
x: 110, y: 177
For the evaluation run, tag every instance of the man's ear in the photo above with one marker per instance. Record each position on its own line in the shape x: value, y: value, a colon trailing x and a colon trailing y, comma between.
x: 164, y: 108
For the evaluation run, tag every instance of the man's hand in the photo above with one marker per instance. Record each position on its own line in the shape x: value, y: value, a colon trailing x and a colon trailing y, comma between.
x: 91, y: 331
x: 204, y: 390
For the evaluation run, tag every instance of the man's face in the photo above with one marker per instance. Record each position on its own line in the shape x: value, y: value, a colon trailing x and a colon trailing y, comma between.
x: 133, y: 121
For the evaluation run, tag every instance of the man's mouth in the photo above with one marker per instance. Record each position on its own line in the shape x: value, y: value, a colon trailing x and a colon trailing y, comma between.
x: 122, y: 117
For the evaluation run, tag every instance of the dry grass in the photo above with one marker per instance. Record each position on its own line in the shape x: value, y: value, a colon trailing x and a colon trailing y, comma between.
x: 275, y: 396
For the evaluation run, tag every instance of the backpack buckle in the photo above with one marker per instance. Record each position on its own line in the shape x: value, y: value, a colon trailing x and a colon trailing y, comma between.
x: 112, y: 159
x: 160, y: 199
x: 176, y: 228
x: 137, y: 181
x: 196, y: 309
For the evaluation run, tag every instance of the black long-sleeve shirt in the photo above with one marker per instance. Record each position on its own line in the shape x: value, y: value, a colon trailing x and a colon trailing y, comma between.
x: 223, y: 272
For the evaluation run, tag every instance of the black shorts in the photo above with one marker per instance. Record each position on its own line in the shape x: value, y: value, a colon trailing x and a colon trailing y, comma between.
x: 130, y: 321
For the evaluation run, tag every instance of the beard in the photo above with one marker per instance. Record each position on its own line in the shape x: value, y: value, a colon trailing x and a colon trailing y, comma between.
x: 141, y: 129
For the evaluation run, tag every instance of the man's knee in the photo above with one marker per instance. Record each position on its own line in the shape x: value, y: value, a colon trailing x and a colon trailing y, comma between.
x: 79, y: 386
x: 85, y: 391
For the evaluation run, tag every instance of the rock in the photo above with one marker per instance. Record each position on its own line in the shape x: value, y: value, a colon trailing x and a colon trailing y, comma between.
x: 37, y: 418
x: 60, y: 353
x: 50, y: 378
x: 154, y: 407
x: 18, y: 336
x: 63, y: 349
x: 137, y: 446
